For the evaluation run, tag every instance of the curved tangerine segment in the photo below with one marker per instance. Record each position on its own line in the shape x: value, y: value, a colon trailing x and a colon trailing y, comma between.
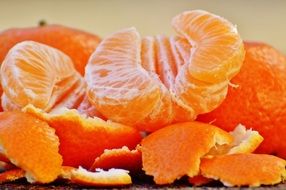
x: 245, y: 169
x: 30, y: 144
x: 37, y: 74
x: 216, y: 56
x: 122, y: 158
x: 217, y: 49
x: 11, y: 175
x: 99, y: 178
x: 186, y: 142
x: 82, y: 139
x: 116, y: 81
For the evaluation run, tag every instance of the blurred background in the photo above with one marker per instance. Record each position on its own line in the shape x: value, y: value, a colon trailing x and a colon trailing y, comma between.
x: 260, y: 20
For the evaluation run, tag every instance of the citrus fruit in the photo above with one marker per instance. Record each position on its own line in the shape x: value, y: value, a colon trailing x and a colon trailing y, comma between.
x: 150, y: 76
x: 174, y: 151
x: 258, y: 99
x: 245, y: 169
x: 122, y: 158
x: 82, y: 139
x: 30, y: 144
x: 77, y: 44
x: 11, y: 175
x: 99, y: 178
x: 34, y: 73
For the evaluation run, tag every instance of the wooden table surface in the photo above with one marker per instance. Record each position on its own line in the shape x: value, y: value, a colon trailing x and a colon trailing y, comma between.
x: 138, y: 184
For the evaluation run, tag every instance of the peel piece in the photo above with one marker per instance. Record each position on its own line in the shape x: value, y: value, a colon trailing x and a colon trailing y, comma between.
x: 176, y: 150
x: 82, y: 139
x: 122, y: 158
x: 244, y: 169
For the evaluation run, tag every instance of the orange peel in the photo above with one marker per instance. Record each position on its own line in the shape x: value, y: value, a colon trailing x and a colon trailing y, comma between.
x: 30, y: 144
x: 82, y: 139
x: 176, y: 150
x: 11, y: 175
x: 122, y: 158
x: 99, y: 178
x: 244, y: 169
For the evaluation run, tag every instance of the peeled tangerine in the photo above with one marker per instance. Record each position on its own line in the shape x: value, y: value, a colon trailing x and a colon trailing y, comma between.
x: 154, y: 81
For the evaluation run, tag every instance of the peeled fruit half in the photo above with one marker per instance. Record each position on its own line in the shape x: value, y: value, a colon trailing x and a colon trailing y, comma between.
x: 152, y: 77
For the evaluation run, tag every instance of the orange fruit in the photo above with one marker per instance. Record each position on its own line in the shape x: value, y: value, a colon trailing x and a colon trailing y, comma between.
x: 259, y: 99
x: 122, y: 158
x: 77, y: 44
x: 83, y: 139
x: 176, y: 150
x: 30, y: 144
x: 150, y: 76
x: 245, y: 169
x: 11, y: 175
x: 34, y: 73
x: 99, y: 178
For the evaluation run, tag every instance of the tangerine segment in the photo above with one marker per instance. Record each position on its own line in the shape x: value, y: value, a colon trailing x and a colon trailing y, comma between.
x: 122, y: 158
x: 82, y: 139
x: 77, y: 44
x: 30, y: 144
x: 175, y: 77
x: 99, y: 178
x: 245, y: 169
x: 186, y: 143
x: 217, y: 49
x: 38, y: 74
x: 116, y: 81
x: 11, y: 175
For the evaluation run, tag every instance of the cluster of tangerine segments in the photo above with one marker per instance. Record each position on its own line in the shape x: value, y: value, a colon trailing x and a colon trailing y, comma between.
x: 165, y: 79
x: 144, y: 83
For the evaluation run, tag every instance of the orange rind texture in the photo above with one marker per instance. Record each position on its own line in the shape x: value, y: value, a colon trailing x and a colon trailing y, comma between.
x: 161, y: 79
x: 11, y: 175
x: 82, y: 139
x: 122, y: 158
x: 244, y: 169
x: 30, y: 144
x: 176, y: 150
